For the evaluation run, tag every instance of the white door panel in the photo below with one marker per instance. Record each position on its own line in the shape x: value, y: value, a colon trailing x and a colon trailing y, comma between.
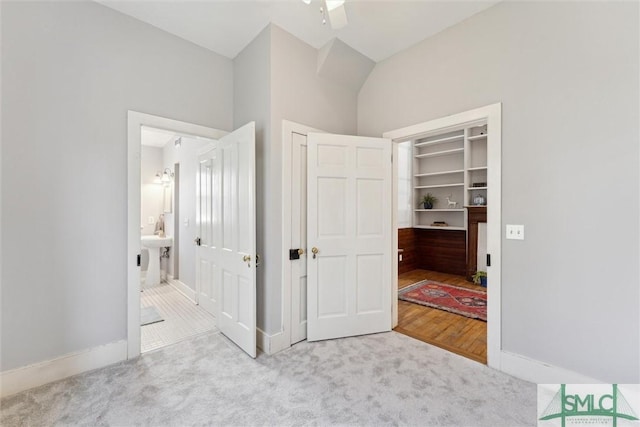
x: 226, y: 268
x: 349, y: 222
x: 237, y: 272
x: 299, y: 237
x: 206, y: 252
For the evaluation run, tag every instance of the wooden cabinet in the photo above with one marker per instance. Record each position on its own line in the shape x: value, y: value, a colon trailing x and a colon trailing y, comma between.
x: 475, y: 215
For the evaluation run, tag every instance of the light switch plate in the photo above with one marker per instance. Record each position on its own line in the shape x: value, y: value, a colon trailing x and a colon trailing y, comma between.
x: 150, y: 220
x: 186, y: 222
x: 515, y: 232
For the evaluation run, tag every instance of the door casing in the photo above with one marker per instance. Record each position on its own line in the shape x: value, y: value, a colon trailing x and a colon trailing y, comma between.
x: 493, y: 115
x: 135, y: 121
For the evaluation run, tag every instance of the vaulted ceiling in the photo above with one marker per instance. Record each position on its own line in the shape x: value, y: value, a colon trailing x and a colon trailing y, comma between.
x: 376, y: 28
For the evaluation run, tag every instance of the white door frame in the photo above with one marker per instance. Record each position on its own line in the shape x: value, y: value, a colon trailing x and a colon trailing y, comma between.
x: 135, y: 121
x: 493, y: 115
x: 288, y: 128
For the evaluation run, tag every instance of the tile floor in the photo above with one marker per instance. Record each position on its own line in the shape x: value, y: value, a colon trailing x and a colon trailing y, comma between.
x: 182, y: 317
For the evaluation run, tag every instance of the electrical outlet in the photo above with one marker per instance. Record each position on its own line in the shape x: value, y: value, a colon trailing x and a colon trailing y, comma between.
x: 515, y: 232
x: 399, y: 257
x: 151, y: 221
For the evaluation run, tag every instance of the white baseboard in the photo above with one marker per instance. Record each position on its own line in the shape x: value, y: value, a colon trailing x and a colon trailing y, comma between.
x: 271, y: 344
x: 539, y: 372
x: 182, y: 288
x: 26, y: 377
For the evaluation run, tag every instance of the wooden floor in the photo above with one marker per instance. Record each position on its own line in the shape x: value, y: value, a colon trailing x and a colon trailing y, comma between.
x: 452, y: 332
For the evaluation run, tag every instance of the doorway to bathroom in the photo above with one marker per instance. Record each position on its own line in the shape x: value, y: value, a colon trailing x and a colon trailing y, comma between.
x: 169, y: 298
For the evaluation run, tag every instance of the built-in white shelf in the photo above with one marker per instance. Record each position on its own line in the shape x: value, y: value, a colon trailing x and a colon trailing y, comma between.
x: 420, y: 175
x: 433, y: 227
x: 439, y: 210
x: 448, y: 171
x: 439, y: 153
x: 420, y: 187
x: 477, y: 137
x: 439, y: 141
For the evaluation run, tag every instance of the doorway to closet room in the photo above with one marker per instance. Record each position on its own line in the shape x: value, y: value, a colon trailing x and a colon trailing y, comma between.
x: 441, y: 191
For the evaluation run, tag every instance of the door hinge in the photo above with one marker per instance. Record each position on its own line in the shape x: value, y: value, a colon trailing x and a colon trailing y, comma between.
x: 488, y: 260
x: 138, y: 260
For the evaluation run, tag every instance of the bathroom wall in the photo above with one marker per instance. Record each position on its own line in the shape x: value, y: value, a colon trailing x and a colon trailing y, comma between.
x: 187, y: 156
x: 150, y: 195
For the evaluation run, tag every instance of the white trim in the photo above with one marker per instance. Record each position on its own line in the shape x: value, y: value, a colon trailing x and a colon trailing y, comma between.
x: 493, y: 115
x: 182, y: 288
x: 135, y: 121
x: 394, y: 235
x: 541, y: 373
x: 26, y: 377
x: 288, y: 128
x: 271, y: 344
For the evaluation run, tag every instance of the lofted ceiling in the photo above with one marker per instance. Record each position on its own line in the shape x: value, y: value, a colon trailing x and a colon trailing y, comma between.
x: 376, y: 28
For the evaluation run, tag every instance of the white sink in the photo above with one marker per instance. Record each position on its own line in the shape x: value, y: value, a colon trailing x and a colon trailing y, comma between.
x: 156, y: 241
x: 153, y: 245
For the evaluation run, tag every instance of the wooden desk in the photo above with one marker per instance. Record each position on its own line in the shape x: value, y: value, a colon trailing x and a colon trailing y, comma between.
x: 475, y: 215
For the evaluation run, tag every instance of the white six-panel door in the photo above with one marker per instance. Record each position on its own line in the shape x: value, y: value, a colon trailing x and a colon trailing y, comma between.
x: 226, y: 269
x: 237, y: 224
x: 207, y: 251
x: 349, y: 229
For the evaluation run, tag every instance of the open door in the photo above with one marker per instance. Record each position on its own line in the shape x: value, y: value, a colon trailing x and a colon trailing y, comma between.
x: 207, y: 253
x: 349, y: 236
x: 226, y: 254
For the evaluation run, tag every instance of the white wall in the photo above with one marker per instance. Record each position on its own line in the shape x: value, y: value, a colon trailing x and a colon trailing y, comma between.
x: 150, y: 195
x: 405, y: 185
x: 300, y: 95
x: 276, y: 78
x: 70, y: 72
x: 567, y: 75
x: 187, y: 156
x: 252, y: 98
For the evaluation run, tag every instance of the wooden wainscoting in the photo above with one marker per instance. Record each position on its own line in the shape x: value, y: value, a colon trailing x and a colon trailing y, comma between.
x: 442, y: 250
x: 407, y: 242
x: 452, y: 332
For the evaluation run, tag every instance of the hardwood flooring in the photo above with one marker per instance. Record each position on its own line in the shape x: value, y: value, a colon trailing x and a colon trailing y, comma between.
x: 452, y: 332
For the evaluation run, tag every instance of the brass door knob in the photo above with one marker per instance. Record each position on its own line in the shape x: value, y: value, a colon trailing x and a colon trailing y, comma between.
x: 314, y: 251
x: 247, y: 259
x: 300, y: 251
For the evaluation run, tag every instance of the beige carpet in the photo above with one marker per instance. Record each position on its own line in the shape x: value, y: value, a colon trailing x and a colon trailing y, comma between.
x: 383, y: 379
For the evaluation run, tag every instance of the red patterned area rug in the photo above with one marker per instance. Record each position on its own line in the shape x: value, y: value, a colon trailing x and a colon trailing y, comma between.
x: 463, y: 301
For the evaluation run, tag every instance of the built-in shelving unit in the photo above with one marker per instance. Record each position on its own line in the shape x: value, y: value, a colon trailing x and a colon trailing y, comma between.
x: 450, y: 164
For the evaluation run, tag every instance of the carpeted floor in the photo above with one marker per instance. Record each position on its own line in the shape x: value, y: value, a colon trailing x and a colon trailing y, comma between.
x: 383, y: 379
